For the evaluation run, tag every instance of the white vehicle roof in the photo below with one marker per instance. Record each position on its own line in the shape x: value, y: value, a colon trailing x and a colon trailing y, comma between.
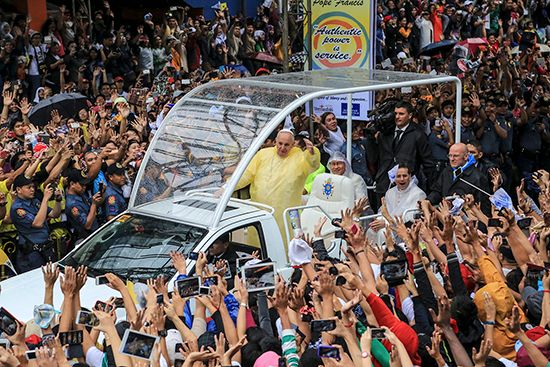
x: 224, y: 123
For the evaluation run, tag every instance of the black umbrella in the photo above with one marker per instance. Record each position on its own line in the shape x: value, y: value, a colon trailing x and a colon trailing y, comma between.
x: 438, y: 47
x: 68, y: 104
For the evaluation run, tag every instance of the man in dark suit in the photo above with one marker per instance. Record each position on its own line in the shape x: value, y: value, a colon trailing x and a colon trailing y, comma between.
x: 451, y: 181
x: 405, y: 144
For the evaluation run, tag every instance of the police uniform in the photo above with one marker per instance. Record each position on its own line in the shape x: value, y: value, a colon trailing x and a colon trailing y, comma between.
x: 34, y: 246
x: 439, y: 141
x: 508, y: 122
x: 115, y: 203
x: 77, y: 207
x: 490, y: 143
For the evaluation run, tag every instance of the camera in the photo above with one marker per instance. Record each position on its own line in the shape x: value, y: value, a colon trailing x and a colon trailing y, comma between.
x: 382, y: 118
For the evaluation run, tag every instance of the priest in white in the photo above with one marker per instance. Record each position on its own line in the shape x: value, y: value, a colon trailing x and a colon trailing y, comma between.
x: 403, y: 196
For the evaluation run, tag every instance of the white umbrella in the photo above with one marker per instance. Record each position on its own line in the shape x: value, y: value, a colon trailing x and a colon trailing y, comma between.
x: 541, y: 46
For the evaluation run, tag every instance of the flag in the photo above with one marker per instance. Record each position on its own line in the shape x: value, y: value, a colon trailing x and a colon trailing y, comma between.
x: 392, y: 173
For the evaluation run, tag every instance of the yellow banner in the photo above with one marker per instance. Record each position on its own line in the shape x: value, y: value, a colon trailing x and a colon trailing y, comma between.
x: 343, y: 33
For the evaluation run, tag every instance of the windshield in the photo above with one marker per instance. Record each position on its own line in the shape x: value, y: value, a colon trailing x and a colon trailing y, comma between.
x: 135, y: 247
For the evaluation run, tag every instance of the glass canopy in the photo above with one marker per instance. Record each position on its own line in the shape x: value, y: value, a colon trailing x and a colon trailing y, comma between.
x: 216, y: 129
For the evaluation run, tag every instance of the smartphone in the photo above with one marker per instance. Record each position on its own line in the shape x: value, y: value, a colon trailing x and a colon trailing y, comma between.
x: 494, y: 222
x: 30, y: 354
x: 73, y: 337
x: 118, y: 302
x: 102, y: 279
x: 178, y: 347
x: 5, y: 343
x: 524, y: 223
x: 86, y: 318
x: 378, y: 333
x: 173, y: 8
x: 188, y: 287
x: 100, y: 187
x: 8, y: 323
x: 193, y: 255
x: 322, y: 325
x: 203, y: 291
x: 458, y: 172
x: 160, y: 299
x: 74, y: 125
x: 328, y: 351
x: 103, y: 306
x: 340, y: 234
x: 138, y: 345
x: 209, y: 281
x: 146, y: 72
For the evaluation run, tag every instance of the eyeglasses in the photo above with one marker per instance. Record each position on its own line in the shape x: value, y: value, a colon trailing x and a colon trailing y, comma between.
x: 455, y: 155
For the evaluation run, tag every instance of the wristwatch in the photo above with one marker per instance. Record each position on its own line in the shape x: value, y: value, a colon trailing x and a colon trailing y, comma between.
x: 244, y: 305
x: 365, y: 354
x: 163, y: 333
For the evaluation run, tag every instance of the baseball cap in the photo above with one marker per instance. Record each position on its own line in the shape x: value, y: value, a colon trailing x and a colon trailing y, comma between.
x: 119, y: 100
x: 115, y: 169
x: 79, y: 176
x: 44, y: 315
x: 21, y: 180
x: 533, y: 300
x: 118, y: 79
x: 303, y: 134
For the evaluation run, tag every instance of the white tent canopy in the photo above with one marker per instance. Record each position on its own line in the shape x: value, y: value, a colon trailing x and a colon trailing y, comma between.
x: 223, y: 124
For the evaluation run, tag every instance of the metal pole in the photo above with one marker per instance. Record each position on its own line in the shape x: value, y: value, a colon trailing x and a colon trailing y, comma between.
x: 309, y: 13
x: 309, y: 36
x: 458, y: 110
x: 90, y: 16
x: 74, y: 14
x: 284, y: 10
x: 349, y: 128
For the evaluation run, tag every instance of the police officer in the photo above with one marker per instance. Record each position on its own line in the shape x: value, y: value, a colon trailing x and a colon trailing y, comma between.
x: 491, y: 133
x: 30, y: 217
x: 468, y: 131
x: 81, y: 210
x: 508, y: 122
x: 114, y: 198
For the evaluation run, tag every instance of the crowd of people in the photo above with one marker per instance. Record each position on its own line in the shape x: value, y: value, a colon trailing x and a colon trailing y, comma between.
x: 453, y: 271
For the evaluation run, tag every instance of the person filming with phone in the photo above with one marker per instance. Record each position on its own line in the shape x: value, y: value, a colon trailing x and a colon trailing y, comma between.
x: 80, y: 208
x: 461, y: 177
x: 30, y: 217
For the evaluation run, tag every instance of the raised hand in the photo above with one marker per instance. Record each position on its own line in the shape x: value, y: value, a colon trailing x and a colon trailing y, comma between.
x: 178, y: 262
x: 50, y: 272
x: 484, y: 351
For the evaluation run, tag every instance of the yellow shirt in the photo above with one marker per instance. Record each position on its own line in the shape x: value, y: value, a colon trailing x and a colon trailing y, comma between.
x: 503, y: 340
x: 9, y: 199
x: 279, y: 182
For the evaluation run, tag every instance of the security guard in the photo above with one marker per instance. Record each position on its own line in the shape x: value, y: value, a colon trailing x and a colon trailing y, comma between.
x: 114, y: 198
x: 491, y: 134
x: 30, y: 217
x: 81, y: 210
x: 508, y: 122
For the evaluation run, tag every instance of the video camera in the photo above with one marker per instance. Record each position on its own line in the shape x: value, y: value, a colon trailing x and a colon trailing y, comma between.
x: 382, y: 118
